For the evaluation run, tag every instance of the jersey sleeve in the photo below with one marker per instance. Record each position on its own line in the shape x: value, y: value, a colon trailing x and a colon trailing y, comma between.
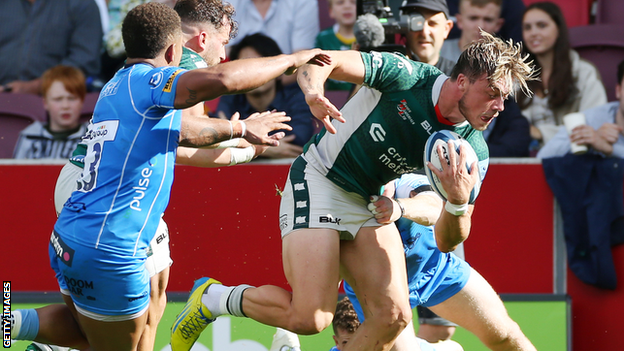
x: 391, y: 72
x: 163, y: 83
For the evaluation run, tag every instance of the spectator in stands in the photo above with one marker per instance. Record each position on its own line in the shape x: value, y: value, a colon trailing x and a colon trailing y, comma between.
x: 602, y: 133
x: 473, y: 16
x: 567, y: 83
x: 64, y: 91
x: 508, y: 134
x: 272, y: 95
x: 293, y: 24
x: 38, y: 35
x: 340, y: 36
x: 424, y: 45
x: 511, y: 12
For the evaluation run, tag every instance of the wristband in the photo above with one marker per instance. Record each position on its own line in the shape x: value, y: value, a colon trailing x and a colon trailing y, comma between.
x: 238, y: 155
x: 401, y: 207
x: 243, y: 129
x: 456, y: 210
x: 231, y: 130
x: 228, y: 143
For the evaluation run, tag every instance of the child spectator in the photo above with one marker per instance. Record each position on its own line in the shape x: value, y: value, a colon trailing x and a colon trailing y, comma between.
x: 340, y: 36
x: 64, y: 90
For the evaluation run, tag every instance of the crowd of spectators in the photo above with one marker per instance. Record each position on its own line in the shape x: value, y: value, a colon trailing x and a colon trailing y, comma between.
x: 37, y: 35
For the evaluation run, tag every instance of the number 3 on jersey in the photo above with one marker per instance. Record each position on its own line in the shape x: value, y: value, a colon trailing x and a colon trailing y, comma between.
x: 97, y: 134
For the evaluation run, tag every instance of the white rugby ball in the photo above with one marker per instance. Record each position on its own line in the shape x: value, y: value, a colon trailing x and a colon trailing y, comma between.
x: 431, y: 155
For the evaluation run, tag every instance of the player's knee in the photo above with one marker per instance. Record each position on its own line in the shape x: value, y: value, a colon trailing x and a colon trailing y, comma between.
x: 308, y: 325
x: 392, y: 318
x: 504, y: 336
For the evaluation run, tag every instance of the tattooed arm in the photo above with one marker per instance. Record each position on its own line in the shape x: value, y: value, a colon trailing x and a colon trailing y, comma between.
x: 239, y: 76
x: 345, y: 66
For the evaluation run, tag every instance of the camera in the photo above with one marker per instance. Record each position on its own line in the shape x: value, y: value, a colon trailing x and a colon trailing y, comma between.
x: 407, y: 22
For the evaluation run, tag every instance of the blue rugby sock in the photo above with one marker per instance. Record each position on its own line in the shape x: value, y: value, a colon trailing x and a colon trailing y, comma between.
x: 26, y: 325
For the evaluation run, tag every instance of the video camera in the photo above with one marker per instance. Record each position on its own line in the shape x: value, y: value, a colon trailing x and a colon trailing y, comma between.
x: 413, y: 22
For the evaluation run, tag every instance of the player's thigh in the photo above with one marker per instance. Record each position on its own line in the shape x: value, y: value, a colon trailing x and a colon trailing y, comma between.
x: 113, y: 336
x: 374, y: 265
x: 477, y: 308
x: 311, y: 265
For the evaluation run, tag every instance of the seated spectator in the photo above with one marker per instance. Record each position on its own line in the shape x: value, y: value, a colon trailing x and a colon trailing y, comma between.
x: 511, y: 12
x: 340, y: 36
x: 567, y: 83
x: 293, y: 24
x: 64, y: 91
x: 272, y: 95
x: 38, y: 35
x: 473, y: 16
x: 602, y: 133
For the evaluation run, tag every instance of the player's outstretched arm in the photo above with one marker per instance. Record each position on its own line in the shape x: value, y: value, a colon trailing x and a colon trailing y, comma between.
x: 239, y: 76
x: 200, y: 131
x: 452, y: 229
x: 346, y: 66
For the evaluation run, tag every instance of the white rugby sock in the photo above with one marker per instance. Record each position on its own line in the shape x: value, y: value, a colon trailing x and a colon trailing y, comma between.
x: 220, y: 299
x: 212, y: 297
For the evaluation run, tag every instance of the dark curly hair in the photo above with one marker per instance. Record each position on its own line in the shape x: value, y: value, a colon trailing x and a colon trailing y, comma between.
x: 345, y: 318
x: 148, y: 29
x: 207, y: 11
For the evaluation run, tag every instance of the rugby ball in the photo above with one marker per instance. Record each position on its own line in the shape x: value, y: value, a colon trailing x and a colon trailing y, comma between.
x: 431, y: 155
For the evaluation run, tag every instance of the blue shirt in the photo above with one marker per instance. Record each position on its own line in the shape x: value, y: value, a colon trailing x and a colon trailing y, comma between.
x: 559, y: 145
x: 38, y: 36
x: 128, y: 172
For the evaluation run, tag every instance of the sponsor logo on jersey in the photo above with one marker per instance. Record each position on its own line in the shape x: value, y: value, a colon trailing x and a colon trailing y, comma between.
x: 395, y: 161
x: 377, y: 59
x: 156, y: 79
x: 404, y: 63
x: 169, y: 84
x: 140, y: 189
x: 62, y: 250
x: 377, y: 132
x: 110, y: 88
x: 427, y: 127
x: 404, y: 111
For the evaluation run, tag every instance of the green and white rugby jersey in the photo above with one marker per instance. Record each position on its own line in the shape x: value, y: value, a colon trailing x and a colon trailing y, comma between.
x: 387, y: 125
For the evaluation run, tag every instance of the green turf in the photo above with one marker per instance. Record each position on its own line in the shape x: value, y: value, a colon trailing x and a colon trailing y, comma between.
x: 543, y: 322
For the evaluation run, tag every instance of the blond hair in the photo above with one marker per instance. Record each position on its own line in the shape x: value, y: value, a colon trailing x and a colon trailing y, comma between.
x: 502, y: 62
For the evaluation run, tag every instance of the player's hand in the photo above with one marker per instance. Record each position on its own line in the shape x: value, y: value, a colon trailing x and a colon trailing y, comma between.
x: 313, y: 57
x: 455, y: 179
x: 384, y: 209
x: 324, y: 111
x: 285, y: 149
x: 260, y: 124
